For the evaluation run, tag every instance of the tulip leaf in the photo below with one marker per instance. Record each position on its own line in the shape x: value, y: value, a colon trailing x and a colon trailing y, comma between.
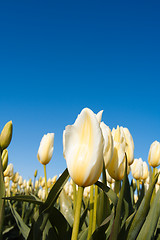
x: 104, y: 209
x: 148, y: 229
x: 55, y: 191
x: 25, y: 198
x: 142, y: 212
x: 66, y: 207
x: 2, y: 194
x: 117, y: 220
x: 99, y: 233
x: 24, y: 229
x: 109, y: 192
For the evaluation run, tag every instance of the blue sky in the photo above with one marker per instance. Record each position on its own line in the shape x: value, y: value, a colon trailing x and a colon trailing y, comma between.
x: 57, y: 57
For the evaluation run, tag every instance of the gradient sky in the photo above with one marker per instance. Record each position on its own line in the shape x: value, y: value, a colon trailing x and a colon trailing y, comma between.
x: 57, y: 57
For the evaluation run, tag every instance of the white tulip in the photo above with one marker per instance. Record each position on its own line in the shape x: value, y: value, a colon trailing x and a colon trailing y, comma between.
x: 45, y: 150
x: 108, y: 143
x: 83, y: 148
x: 154, y: 154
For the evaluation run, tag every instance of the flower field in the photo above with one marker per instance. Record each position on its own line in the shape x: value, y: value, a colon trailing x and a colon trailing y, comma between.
x: 94, y: 198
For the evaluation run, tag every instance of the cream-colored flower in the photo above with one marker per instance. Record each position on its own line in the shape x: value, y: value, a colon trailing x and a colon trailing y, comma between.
x: 145, y: 172
x: 109, y: 178
x: 137, y: 168
x: 129, y: 146
x: 108, y: 143
x: 83, y: 148
x: 154, y: 154
x: 45, y: 150
x: 9, y: 171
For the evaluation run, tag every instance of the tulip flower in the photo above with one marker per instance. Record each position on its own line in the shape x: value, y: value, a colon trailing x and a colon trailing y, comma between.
x: 6, y: 135
x: 45, y: 150
x: 137, y: 168
x: 108, y: 143
x: 9, y: 171
x: 83, y: 148
x: 123, y: 143
x: 4, y: 159
x: 154, y: 154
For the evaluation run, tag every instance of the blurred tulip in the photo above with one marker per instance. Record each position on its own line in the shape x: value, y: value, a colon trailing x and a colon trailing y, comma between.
x: 145, y: 172
x: 137, y: 168
x: 83, y: 148
x: 154, y: 154
x: 45, y: 150
x: 9, y: 171
x: 6, y: 135
x: 35, y: 173
x: 122, y: 144
x: 20, y: 181
x: 4, y: 159
x: 15, y: 177
x: 129, y: 146
x: 108, y: 143
x: 109, y: 178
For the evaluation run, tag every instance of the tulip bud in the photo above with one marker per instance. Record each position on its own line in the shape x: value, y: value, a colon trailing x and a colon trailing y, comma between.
x: 83, y: 148
x: 6, y: 135
x: 145, y: 172
x: 154, y: 154
x: 20, y: 181
x: 108, y: 143
x: 129, y: 146
x: 54, y: 179
x: 9, y: 171
x: 15, y: 177
x: 4, y: 159
x: 35, y: 173
x: 45, y: 150
x: 137, y: 168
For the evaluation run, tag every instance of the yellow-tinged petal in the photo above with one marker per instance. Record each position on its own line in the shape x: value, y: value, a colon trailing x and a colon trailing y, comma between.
x: 83, y: 148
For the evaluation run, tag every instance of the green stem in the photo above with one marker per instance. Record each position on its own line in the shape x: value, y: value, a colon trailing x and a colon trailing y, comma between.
x: 153, y: 173
x: 77, y: 214
x: 95, y: 209
x: 74, y: 196
x: 90, y: 213
x: 138, y: 188
x: 45, y: 176
x: 117, y: 186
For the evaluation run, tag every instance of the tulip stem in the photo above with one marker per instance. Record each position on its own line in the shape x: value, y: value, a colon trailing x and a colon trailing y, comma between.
x: 138, y: 187
x: 153, y: 173
x: 95, y: 208
x: 117, y: 186
x: 74, y: 196
x: 77, y: 213
x: 45, y: 177
x: 90, y: 213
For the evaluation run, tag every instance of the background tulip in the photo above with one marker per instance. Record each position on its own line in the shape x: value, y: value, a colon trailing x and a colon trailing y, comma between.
x: 108, y: 143
x: 45, y: 150
x: 83, y: 148
x: 154, y: 154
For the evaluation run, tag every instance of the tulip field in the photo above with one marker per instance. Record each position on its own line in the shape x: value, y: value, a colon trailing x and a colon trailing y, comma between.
x: 93, y: 198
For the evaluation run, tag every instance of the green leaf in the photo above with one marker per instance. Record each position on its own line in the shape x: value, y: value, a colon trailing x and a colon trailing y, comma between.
x: 2, y: 194
x: 24, y: 229
x: 116, y: 224
x: 25, y: 198
x: 148, y: 229
x: 109, y: 192
x: 99, y: 233
x: 141, y: 213
x: 103, y: 208
x: 66, y: 207
x: 45, y: 211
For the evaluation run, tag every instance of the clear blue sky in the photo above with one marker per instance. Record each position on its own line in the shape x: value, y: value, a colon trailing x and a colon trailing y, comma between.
x: 57, y: 57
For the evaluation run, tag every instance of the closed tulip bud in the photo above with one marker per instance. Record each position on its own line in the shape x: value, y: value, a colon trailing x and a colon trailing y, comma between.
x: 129, y: 146
x: 15, y: 177
x: 9, y: 171
x: 45, y: 150
x: 145, y: 172
x: 20, y: 181
x: 83, y: 148
x: 36, y: 184
x: 24, y: 183
x: 6, y: 135
x: 54, y: 179
x: 42, y: 182
x: 137, y: 168
x: 35, y: 173
x: 99, y: 116
x: 154, y: 154
x: 109, y: 178
x: 108, y: 143
x: 49, y: 183
x: 4, y: 159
